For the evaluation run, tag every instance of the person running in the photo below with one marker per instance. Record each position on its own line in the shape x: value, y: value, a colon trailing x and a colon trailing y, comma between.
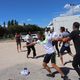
x: 50, y: 54
x: 54, y: 43
x: 75, y: 36
x: 65, y: 45
x: 29, y: 39
x: 18, y: 41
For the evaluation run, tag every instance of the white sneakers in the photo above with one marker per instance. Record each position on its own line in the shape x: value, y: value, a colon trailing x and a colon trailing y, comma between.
x: 25, y: 72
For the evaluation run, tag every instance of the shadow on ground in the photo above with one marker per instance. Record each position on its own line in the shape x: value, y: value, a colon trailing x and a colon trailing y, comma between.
x: 65, y: 70
x: 68, y: 62
x: 23, y: 50
x: 40, y: 56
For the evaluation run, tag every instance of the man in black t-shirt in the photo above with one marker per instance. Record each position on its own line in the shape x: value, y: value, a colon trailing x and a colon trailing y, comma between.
x: 75, y: 36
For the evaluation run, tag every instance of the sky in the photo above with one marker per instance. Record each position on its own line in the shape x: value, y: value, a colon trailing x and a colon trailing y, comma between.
x: 39, y: 12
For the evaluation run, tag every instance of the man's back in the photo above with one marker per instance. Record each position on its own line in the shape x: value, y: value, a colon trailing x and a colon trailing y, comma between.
x: 65, y: 34
x: 75, y: 36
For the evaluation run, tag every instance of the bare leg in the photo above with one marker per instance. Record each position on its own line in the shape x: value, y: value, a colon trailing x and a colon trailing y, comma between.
x: 71, y: 54
x: 61, y: 57
x: 58, y: 69
x: 18, y: 48
x: 56, y: 46
x: 47, y: 67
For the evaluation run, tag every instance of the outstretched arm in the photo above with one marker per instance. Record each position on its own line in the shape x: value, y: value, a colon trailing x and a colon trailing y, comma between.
x: 33, y: 43
x: 57, y: 39
x: 66, y: 39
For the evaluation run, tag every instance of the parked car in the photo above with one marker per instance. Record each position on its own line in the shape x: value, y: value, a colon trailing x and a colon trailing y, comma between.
x: 23, y: 38
x: 34, y: 36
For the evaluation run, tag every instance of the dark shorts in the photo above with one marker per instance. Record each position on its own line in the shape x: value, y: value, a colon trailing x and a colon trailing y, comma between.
x: 49, y: 57
x: 64, y: 48
x: 18, y: 43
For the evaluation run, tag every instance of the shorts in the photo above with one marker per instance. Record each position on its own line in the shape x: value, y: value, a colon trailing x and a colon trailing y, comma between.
x: 64, y: 48
x: 49, y: 57
x: 18, y: 43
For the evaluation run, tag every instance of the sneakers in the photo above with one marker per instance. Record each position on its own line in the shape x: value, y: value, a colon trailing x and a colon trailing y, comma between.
x: 53, y: 75
x: 50, y: 75
x: 25, y: 72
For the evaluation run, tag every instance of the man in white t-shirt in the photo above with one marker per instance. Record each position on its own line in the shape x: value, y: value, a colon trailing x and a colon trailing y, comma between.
x: 54, y: 43
x: 50, y: 54
x: 29, y: 39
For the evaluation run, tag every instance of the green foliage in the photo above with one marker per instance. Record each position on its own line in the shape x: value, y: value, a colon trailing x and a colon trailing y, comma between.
x: 13, y: 27
x: 3, y: 31
x: 32, y: 28
x: 9, y: 23
x: 4, y: 24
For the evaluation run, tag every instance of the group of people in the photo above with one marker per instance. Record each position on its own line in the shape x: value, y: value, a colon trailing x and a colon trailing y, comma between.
x: 65, y: 45
x: 50, y: 40
x: 29, y: 39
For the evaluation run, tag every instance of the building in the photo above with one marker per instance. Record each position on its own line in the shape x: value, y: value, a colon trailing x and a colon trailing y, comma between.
x: 64, y: 21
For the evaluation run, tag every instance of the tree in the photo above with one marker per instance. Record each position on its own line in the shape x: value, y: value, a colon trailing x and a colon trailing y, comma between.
x: 24, y: 24
x: 4, y: 24
x: 9, y: 23
x: 12, y: 22
x: 2, y: 31
x: 16, y: 22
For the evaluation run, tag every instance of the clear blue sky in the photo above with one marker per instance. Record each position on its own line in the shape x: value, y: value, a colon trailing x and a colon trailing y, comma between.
x: 39, y: 12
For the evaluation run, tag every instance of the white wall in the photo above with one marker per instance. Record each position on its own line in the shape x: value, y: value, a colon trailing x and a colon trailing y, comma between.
x: 66, y: 21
